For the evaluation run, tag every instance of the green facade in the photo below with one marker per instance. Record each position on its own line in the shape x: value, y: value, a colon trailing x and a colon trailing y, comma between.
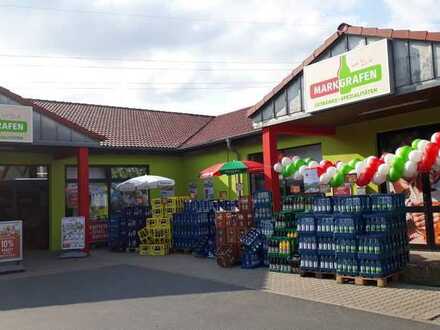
x: 354, y: 140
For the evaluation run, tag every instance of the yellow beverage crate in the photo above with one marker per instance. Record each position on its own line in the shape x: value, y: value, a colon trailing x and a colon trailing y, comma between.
x: 152, y: 222
x: 158, y: 232
x: 157, y: 213
x: 156, y: 203
x: 142, y: 233
x: 143, y: 249
x: 157, y: 249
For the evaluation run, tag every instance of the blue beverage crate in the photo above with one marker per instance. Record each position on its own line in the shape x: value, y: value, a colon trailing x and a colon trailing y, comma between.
x: 306, y: 224
x: 348, y: 225
x: 322, y: 205
x: 325, y: 224
x: 251, y: 260
x: 351, y: 204
x: 385, y: 222
x: 387, y: 202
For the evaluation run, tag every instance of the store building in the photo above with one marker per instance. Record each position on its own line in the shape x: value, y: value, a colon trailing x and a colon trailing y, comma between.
x: 104, y: 145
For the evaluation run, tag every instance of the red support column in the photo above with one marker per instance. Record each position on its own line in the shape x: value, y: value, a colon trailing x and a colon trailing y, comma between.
x: 83, y: 190
x: 270, y: 157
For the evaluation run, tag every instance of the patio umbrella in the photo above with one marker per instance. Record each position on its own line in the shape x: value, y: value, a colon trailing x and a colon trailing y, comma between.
x: 232, y: 167
x: 145, y: 182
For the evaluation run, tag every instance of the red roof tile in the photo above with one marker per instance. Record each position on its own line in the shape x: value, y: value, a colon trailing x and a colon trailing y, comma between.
x: 232, y: 124
x: 352, y: 30
x: 128, y: 127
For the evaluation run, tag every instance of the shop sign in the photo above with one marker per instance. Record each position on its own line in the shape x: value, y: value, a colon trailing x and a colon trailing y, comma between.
x: 359, y: 74
x: 11, y: 241
x: 73, y: 233
x: 311, y: 180
x: 15, y: 123
x: 344, y: 190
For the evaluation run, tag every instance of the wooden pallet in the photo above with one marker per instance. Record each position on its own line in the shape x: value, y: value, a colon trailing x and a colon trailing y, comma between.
x: 359, y: 280
x: 320, y: 275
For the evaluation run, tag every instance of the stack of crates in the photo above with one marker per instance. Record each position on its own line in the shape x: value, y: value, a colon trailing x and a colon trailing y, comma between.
x: 156, y: 239
x: 166, y: 207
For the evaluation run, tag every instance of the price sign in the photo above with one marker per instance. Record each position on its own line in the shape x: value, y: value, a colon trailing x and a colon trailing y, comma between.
x: 73, y: 233
x: 11, y: 241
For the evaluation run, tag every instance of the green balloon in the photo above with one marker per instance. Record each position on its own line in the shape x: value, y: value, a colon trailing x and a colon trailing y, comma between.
x: 291, y: 169
x: 404, y: 152
x: 346, y: 169
x: 353, y: 162
x: 284, y: 173
x: 394, y: 175
x: 307, y: 160
x: 415, y: 143
x: 337, y: 180
x: 399, y: 164
x: 298, y: 163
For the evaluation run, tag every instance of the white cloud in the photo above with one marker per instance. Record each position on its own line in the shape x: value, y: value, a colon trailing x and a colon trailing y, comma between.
x: 414, y: 14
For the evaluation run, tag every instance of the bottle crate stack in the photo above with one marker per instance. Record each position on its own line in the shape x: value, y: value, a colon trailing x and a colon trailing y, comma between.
x: 354, y: 236
x: 166, y: 207
x: 263, y: 218
x: 155, y: 237
x: 124, y: 226
x: 230, y: 227
x: 283, y: 243
x: 252, y: 249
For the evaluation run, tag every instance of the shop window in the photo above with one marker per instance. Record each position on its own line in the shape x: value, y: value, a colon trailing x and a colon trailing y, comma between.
x: 280, y: 105
x: 13, y: 172
x: 436, y: 50
x: 401, y: 63
x: 124, y: 173
x: 294, y: 96
x: 94, y: 172
x: 421, y: 61
x: 268, y: 111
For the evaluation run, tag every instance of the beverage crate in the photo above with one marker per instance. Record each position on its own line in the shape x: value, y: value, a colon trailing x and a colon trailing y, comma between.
x: 385, y: 222
x: 387, y: 202
x: 154, y: 249
x: 327, y: 264
x: 348, y: 225
x: 347, y: 265
x: 307, y: 244
x: 309, y: 262
x: 251, y: 260
x: 306, y: 224
x: 346, y: 247
x: 322, y: 205
x: 351, y: 204
x: 326, y: 246
x: 325, y: 224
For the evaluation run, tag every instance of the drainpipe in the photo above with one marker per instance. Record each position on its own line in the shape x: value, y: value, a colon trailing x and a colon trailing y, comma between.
x: 237, y: 154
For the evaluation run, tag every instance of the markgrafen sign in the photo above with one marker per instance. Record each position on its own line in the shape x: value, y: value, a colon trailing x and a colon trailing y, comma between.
x: 15, y: 123
x: 357, y: 75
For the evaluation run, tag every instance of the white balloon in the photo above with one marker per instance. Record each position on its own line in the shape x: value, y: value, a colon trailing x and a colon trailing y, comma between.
x: 339, y: 165
x: 398, y: 150
x: 389, y: 158
x: 278, y: 167
x: 359, y: 167
x: 324, y: 179
x: 285, y: 161
x: 383, y: 169
x: 379, y: 179
x: 322, y: 162
x: 331, y: 171
x: 410, y: 169
x: 313, y: 163
x: 422, y: 144
x: 302, y: 169
x: 415, y: 156
x: 370, y: 159
x: 280, y: 177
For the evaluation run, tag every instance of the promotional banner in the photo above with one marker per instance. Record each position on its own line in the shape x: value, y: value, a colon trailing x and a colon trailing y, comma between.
x: 359, y: 74
x: 311, y: 181
x: 11, y: 241
x: 73, y: 233
x: 15, y: 123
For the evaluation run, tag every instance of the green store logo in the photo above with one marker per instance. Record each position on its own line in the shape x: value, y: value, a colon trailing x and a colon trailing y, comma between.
x: 346, y: 80
x: 13, y: 126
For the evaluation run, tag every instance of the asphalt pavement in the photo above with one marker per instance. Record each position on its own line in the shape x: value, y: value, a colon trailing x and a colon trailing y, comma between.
x: 131, y: 297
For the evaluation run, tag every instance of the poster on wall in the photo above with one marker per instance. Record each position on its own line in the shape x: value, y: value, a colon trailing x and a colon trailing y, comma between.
x: 16, y: 123
x: 359, y: 74
x: 73, y: 233
x: 208, y: 189
x: 311, y: 181
x: 11, y: 241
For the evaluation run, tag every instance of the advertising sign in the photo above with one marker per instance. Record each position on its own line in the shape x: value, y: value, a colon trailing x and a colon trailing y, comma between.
x: 15, y: 123
x: 311, y: 181
x: 359, y: 74
x: 11, y: 241
x: 73, y: 233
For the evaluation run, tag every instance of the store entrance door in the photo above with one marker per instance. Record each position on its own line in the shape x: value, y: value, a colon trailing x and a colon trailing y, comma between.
x: 27, y: 199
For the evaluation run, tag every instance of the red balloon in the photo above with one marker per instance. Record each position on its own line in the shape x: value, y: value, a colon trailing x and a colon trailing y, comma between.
x: 368, y: 172
x: 436, y: 138
x: 326, y: 164
x: 429, y: 157
x: 321, y: 170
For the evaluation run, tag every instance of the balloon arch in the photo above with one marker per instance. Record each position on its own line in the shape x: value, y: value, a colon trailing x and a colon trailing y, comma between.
x: 421, y: 157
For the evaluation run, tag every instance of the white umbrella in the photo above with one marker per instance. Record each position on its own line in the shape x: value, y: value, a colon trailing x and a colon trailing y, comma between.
x: 145, y: 182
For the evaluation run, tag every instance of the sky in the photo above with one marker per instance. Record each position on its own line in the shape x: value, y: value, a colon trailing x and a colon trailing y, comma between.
x: 198, y: 56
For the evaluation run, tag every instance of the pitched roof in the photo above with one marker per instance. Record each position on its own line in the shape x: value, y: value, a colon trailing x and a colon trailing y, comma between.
x: 232, y: 124
x: 17, y: 98
x: 129, y: 127
x: 345, y: 28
